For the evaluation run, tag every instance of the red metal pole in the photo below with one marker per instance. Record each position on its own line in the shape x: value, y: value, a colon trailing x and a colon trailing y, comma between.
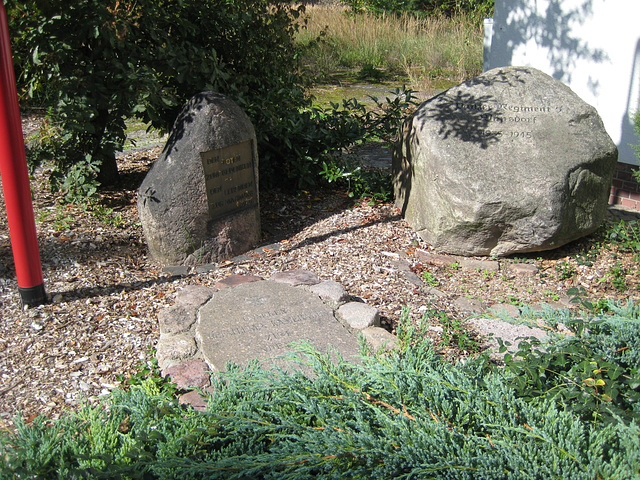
x: 15, y: 180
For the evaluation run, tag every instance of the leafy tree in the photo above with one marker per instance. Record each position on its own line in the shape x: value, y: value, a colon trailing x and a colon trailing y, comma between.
x: 97, y: 63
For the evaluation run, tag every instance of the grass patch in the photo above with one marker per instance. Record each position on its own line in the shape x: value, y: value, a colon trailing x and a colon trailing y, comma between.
x: 432, y: 52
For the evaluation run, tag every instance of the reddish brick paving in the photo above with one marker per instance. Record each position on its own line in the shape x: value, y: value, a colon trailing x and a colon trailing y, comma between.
x: 625, y: 190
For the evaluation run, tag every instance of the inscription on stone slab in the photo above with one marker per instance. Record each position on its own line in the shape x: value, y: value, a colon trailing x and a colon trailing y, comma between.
x: 229, y: 179
x: 504, y: 121
x: 489, y: 121
x: 260, y: 320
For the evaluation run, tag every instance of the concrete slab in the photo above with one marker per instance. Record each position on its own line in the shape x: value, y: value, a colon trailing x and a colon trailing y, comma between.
x: 494, y: 328
x: 260, y: 320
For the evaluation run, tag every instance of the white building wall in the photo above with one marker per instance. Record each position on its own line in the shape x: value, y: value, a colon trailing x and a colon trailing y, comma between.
x: 591, y: 45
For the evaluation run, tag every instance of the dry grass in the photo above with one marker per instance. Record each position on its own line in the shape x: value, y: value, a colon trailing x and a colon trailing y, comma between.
x: 421, y: 49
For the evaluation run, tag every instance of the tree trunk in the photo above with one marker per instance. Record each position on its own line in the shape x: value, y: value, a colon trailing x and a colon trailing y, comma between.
x: 108, y: 174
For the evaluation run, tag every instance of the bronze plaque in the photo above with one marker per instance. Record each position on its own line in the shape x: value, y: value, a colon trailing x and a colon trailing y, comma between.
x: 229, y: 179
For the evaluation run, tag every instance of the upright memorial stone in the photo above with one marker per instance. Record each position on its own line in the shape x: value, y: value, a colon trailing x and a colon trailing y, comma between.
x: 510, y: 161
x: 199, y: 202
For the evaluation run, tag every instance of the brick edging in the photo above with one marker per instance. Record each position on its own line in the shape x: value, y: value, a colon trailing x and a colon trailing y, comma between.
x: 625, y: 190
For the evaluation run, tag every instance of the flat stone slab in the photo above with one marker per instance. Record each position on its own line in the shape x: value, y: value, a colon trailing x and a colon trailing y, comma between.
x: 296, y: 277
x: 494, y: 328
x: 260, y: 320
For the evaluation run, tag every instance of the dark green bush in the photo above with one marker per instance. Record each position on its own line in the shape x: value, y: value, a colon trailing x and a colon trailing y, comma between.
x: 317, y: 136
x: 97, y: 63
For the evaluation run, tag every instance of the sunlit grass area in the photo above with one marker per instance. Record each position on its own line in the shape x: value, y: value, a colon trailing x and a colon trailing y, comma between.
x: 426, y: 52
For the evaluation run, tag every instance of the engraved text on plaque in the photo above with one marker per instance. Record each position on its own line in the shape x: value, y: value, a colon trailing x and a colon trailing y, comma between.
x: 229, y: 179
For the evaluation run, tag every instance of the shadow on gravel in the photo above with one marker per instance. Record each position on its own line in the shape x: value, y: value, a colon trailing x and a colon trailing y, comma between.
x: 321, y: 238
x: 84, y: 293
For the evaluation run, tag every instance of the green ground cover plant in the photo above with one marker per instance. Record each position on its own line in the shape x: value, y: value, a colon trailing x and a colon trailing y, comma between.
x: 594, y: 371
x: 430, y: 279
x: 403, y: 414
x: 454, y: 333
x: 625, y: 235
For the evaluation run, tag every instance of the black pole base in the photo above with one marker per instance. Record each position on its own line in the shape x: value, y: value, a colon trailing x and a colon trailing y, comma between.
x: 33, y: 296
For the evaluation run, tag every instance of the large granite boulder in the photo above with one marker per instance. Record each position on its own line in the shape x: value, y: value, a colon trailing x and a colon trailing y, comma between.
x: 510, y: 161
x: 199, y: 202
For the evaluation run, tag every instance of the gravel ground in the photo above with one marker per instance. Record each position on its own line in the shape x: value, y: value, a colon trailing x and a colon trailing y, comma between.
x: 106, y: 292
